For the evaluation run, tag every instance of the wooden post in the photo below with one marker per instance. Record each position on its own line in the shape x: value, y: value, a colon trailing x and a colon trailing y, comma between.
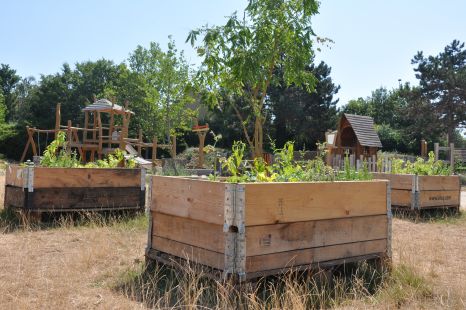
x: 68, y: 137
x: 139, y: 142
x: 86, y: 124
x: 436, y: 149
x: 452, y: 157
x: 30, y: 142
x: 423, y: 148
x: 201, y: 135
x: 154, y: 150
x: 99, y: 124
x: 173, y: 150
x: 57, y: 119
x: 374, y: 164
x: 94, y: 132
x: 110, y: 136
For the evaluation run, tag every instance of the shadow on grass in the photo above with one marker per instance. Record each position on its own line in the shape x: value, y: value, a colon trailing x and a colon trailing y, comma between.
x: 159, y: 286
x: 12, y: 221
x: 438, y: 215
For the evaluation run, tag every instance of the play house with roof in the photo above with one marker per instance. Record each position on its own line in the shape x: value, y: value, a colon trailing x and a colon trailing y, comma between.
x: 355, y: 137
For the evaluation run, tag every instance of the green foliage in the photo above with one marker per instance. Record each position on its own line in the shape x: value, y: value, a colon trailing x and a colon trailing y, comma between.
x: 166, y: 75
x: 56, y: 156
x: 442, y: 79
x: 419, y: 166
x: 285, y: 169
x: 239, y: 58
x: 234, y: 163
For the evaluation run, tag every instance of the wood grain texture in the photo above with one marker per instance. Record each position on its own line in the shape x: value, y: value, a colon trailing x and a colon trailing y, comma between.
x: 314, y: 255
x: 191, y: 253
x: 401, y: 197
x: 194, y: 199
x: 14, y: 197
x: 439, y: 183
x: 397, y: 181
x: 269, y: 239
x: 86, y: 177
x: 15, y: 175
x: 273, y: 203
x: 86, y: 198
x: 200, y: 234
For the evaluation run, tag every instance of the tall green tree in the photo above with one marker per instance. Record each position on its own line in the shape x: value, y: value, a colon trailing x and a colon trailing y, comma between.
x: 240, y: 57
x: 8, y: 81
x: 168, y: 74
x: 302, y: 116
x: 442, y: 79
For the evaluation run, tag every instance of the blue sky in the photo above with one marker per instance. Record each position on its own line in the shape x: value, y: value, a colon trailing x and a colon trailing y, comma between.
x: 375, y: 40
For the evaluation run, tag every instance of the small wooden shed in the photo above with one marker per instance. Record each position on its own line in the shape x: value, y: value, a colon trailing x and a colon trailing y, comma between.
x: 356, y: 136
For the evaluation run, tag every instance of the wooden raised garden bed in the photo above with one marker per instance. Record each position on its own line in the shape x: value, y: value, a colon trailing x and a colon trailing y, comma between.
x: 258, y: 229
x: 35, y: 190
x: 414, y: 192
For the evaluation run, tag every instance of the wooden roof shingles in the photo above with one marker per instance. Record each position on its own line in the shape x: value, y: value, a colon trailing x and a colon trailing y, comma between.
x: 364, y: 129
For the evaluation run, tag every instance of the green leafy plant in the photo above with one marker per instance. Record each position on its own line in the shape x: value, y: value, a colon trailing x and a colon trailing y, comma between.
x: 420, y: 166
x: 56, y: 155
x: 233, y: 163
x: 286, y: 169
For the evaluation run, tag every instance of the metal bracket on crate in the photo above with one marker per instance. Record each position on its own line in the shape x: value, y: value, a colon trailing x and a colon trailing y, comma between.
x: 234, y: 229
x: 143, y: 179
x: 415, y: 203
x: 389, y: 221
x: 240, y: 257
x: 30, y: 179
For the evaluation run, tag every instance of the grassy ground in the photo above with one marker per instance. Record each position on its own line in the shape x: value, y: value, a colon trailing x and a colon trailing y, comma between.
x: 99, y: 264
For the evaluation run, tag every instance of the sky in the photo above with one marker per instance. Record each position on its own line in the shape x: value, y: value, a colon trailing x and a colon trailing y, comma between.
x: 374, y: 40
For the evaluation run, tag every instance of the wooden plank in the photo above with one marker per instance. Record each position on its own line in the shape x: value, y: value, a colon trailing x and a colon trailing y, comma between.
x: 86, y: 177
x: 401, y: 197
x: 15, y: 175
x: 273, y: 203
x: 439, y: 198
x: 267, y: 239
x: 314, y: 255
x: 397, y: 181
x: 191, y: 253
x: 14, y: 197
x: 438, y: 183
x: 194, y: 199
x: 86, y: 198
x: 200, y: 234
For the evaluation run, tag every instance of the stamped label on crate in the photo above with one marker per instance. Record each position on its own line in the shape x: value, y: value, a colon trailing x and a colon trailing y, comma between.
x: 266, y: 240
x: 440, y: 198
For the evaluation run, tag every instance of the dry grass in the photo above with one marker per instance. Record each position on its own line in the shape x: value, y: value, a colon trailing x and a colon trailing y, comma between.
x: 100, y: 265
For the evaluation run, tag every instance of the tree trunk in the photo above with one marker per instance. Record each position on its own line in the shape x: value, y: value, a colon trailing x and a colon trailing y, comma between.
x: 258, y: 138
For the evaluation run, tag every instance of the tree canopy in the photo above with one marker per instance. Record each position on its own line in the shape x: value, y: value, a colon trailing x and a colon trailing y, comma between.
x: 442, y: 79
x: 239, y: 58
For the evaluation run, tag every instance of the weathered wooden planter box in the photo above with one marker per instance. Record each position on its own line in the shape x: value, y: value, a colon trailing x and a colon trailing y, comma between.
x: 39, y: 189
x: 415, y: 192
x: 258, y: 229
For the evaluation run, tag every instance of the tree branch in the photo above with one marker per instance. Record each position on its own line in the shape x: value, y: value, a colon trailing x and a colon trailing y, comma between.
x: 245, y: 131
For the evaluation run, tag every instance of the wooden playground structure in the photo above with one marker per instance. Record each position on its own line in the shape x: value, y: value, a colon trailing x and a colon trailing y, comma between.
x: 97, y: 138
x: 201, y: 131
